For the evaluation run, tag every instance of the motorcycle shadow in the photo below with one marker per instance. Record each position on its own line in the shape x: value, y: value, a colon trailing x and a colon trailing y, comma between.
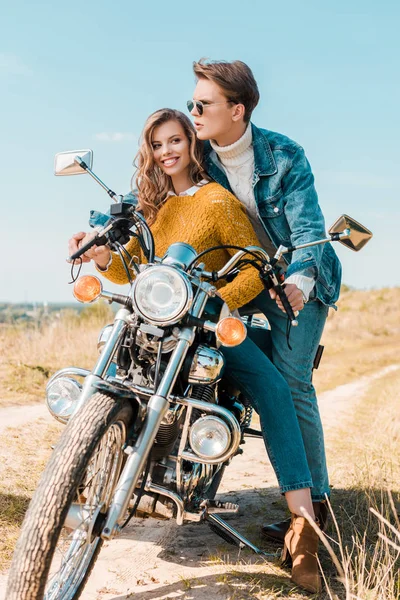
x: 231, y: 584
x: 195, y: 544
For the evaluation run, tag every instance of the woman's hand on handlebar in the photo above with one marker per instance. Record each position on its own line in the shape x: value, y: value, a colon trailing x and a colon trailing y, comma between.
x: 100, y: 254
x: 294, y: 295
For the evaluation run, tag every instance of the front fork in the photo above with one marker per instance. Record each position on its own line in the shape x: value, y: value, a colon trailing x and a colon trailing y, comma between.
x: 156, y: 409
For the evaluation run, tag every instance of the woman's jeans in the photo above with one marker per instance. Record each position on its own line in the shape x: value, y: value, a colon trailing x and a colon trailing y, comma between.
x: 249, y: 369
x: 296, y: 367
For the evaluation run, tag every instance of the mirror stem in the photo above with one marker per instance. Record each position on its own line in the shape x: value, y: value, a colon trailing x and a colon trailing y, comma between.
x: 109, y: 191
x: 335, y: 237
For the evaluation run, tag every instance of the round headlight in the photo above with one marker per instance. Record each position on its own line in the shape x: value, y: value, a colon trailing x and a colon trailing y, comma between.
x: 162, y: 295
x: 209, y: 437
x: 62, y: 395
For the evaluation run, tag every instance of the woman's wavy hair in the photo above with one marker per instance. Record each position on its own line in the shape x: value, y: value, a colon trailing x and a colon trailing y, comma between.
x: 152, y: 183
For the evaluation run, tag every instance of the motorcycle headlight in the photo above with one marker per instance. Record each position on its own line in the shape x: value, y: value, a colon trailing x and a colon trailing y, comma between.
x: 162, y: 295
x: 62, y: 395
x: 209, y: 437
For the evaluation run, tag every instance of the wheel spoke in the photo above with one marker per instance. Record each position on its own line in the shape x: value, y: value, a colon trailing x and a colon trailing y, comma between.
x: 74, y: 548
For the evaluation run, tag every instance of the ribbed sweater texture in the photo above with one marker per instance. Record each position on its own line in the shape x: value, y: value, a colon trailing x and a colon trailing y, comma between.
x: 211, y: 217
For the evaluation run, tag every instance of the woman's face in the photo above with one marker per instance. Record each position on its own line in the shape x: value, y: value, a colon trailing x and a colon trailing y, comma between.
x: 171, y: 148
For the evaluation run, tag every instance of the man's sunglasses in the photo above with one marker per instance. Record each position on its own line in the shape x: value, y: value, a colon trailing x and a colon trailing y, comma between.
x: 200, y: 106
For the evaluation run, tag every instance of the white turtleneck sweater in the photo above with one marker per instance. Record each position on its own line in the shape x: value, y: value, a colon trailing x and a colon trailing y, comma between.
x: 238, y: 163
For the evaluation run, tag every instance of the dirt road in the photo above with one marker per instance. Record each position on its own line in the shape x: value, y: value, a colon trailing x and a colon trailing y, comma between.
x: 157, y: 560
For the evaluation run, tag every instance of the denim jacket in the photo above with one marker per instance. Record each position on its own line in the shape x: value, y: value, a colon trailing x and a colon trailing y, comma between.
x: 288, y: 207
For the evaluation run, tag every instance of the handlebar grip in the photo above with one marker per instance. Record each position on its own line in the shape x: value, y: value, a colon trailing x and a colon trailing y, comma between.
x: 96, y: 241
x: 286, y: 304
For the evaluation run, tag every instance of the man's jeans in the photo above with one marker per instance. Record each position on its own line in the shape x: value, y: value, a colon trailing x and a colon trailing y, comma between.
x: 252, y: 372
x: 296, y: 367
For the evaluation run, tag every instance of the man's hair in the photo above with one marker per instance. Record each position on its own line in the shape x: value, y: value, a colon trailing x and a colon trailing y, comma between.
x: 234, y: 78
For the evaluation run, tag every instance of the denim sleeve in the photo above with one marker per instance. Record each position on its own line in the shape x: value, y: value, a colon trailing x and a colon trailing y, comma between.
x: 304, y: 216
x: 99, y: 218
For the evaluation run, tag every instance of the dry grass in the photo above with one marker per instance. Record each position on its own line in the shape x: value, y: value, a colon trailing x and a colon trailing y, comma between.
x: 367, y: 499
x: 361, y: 337
x: 23, y: 455
x: 31, y: 354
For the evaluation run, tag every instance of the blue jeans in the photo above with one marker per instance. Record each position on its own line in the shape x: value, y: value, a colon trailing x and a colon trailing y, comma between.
x: 296, y: 367
x: 252, y: 372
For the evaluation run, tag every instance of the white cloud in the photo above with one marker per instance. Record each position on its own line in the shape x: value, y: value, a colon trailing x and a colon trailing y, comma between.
x: 10, y: 64
x: 116, y: 136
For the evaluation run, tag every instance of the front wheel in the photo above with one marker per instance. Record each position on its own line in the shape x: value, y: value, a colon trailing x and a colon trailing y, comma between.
x: 55, y: 554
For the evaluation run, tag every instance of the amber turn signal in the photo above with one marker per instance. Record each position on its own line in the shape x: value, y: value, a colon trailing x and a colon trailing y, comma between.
x: 231, y: 331
x: 87, y: 288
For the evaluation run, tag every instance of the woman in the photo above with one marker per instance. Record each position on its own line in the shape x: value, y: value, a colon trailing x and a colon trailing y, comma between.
x: 181, y: 205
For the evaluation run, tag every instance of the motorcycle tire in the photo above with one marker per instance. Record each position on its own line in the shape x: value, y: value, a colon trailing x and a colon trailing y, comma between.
x: 84, y: 468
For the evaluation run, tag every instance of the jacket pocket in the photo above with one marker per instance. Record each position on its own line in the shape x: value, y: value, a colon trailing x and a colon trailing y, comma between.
x: 272, y: 207
x: 272, y: 212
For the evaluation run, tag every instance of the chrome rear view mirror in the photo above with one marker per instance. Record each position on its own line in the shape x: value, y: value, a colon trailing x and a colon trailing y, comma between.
x: 358, y: 234
x: 65, y: 163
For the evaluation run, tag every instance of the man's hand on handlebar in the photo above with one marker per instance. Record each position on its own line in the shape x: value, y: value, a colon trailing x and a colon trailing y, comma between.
x: 294, y: 295
x: 100, y: 254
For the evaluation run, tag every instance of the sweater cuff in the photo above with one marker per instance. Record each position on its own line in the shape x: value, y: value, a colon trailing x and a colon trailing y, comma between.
x: 104, y: 269
x: 305, y: 284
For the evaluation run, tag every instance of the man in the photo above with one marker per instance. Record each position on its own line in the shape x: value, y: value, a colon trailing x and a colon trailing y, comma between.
x: 271, y: 176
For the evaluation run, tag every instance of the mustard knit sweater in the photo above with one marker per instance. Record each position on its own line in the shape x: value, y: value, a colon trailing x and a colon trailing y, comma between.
x: 211, y: 217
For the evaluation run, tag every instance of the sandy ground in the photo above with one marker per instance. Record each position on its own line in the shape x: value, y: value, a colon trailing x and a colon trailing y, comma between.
x: 158, y: 560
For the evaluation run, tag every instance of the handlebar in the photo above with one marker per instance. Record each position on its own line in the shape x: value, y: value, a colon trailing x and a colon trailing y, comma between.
x: 286, y: 304
x: 270, y: 276
x: 97, y: 240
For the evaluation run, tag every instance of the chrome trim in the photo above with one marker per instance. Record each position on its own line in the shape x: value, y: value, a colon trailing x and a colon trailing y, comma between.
x: 177, y: 316
x: 225, y: 415
x: 256, y: 322
x: 142, y: 340
x: 235, y: 259
x: 134, y: 465
x: 121, y: 322
x: 122, y: 319
x: 207, y: 366
x: 158, y: 489
x: 243, y: 542
x: 80, y: 514
x: 201, y: 474
x: 156, y: 410
x: 74, y: 371
x: 103, y: 336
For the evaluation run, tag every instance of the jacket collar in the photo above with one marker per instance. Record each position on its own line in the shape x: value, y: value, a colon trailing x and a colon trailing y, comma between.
x: 264, y: 162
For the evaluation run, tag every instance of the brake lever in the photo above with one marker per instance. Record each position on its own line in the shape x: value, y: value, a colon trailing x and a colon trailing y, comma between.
x: 280, y: 291
x: 273, y: 278
x: 99, y: 239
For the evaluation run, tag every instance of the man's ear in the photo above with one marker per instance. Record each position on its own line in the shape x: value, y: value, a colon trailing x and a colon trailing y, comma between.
x: 238, y: 112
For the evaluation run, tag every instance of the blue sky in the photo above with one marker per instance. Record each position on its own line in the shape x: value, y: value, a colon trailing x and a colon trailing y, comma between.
x: 79, y: 75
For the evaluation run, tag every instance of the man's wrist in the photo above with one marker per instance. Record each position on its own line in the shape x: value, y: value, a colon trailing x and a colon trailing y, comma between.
x: 303, y: 283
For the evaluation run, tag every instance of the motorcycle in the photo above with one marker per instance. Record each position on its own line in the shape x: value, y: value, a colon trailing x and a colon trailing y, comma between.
x: 150, y: 430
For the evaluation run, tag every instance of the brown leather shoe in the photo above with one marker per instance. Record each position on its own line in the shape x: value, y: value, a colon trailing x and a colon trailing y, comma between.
x: 300, y: 551
x: 276, y: 532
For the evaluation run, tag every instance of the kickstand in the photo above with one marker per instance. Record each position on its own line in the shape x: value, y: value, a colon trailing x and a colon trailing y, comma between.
x: 230, y: 535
